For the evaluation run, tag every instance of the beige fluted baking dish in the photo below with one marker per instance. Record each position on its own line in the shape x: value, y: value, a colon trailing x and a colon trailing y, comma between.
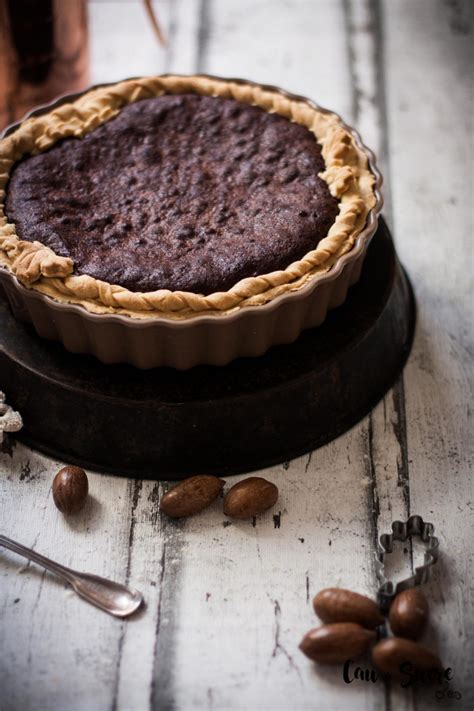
x: 178, y: 328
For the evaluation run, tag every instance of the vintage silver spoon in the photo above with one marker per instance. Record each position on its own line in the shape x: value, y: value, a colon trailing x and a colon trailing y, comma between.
x: 109, y: 596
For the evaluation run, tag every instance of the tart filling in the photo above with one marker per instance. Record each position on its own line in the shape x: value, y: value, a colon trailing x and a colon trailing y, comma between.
x: 179, y: 195
x: 186, y: 193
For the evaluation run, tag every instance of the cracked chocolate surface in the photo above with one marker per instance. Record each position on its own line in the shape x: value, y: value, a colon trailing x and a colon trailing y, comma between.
x: 184, y: 192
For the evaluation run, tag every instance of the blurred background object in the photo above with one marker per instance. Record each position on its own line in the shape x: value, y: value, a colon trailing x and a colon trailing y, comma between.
x: 154, y: 22
x: 44, y: 52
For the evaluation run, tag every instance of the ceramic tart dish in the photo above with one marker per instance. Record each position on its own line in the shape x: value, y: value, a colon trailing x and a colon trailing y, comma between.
x: 182, y: 220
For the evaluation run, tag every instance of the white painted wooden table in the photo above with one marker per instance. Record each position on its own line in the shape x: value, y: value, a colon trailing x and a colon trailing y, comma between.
x: 228, y: 604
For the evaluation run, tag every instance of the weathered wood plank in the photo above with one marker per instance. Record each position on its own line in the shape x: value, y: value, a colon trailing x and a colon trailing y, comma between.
x: 428, y: 73
x: 145, y: 665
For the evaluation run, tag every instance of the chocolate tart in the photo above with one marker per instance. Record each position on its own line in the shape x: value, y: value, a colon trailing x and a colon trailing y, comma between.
x: 182, y: 220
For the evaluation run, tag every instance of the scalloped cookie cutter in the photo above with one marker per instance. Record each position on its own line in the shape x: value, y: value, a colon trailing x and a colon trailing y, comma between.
x: 402, y: 531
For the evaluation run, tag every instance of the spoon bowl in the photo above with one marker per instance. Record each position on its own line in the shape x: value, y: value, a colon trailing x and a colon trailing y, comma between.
x: 110, y: 596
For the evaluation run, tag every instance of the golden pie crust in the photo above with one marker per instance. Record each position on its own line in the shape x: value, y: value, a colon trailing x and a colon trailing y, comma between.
x: 38, y: 267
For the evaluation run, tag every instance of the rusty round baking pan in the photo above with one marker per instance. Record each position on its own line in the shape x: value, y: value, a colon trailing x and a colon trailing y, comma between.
x: 254, y: 412
x: 203, y: 339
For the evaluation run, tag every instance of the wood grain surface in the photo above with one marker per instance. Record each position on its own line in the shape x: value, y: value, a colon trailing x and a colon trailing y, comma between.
x: 228, y: 602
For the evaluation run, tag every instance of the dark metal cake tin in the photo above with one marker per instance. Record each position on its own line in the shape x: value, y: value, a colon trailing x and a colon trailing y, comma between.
x: 202, y: 339
x: 165, y: 423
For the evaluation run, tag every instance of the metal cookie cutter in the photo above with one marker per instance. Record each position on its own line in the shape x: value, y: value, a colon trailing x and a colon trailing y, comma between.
x: 401, y: 531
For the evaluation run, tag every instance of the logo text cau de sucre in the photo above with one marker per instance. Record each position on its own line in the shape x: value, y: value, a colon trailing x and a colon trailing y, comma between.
x: 409, y: 676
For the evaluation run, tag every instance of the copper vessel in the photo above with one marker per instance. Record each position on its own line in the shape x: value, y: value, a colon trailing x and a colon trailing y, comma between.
x: 43, y: 53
